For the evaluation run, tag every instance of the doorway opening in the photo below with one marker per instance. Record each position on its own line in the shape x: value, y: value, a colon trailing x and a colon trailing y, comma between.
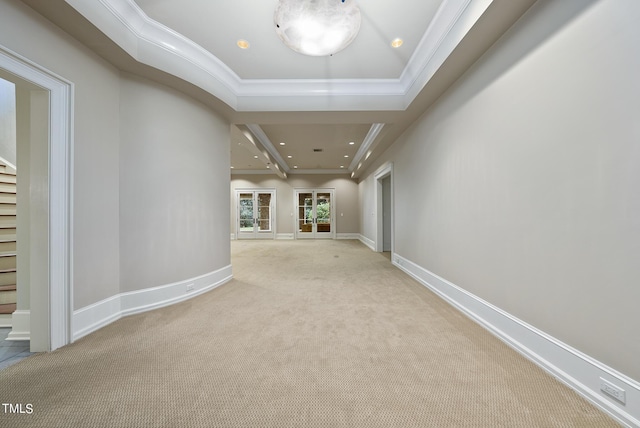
x: 314, y: 214
x: 255, y: 217
x: 43, y: 313
x: 384, y: 210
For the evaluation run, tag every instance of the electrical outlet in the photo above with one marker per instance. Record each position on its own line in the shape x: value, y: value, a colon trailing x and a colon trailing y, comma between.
x: 613, y: 391
x: 189, y: 288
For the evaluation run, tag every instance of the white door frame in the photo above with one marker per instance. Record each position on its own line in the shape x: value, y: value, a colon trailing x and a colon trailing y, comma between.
x: 272, y: 213
x: 381, y: 174
x: 314, y: 234
x: 51, y: 307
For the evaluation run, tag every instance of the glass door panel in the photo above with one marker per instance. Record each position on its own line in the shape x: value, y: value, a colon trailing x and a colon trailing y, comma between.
x: 264, y: 212
x: 323, y: 212
x: 245, y: 212
x: 305, y: 213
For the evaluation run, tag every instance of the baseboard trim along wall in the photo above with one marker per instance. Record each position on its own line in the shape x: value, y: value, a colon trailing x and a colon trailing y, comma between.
x: 348, y: 236
x: 21, y: 325
x: 284, y: 236
x: 368, y: 242
x: 93, y: 317
x: 580, y: 372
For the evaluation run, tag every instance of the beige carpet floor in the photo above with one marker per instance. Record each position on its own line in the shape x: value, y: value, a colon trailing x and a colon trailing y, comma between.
x: 308, y: 334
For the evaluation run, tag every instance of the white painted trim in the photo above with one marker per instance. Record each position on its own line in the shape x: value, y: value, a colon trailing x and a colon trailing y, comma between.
x: 95, y: 316
x: 154, y: 44
x: 319, y: 171
x: 60, y: 288
x: 578, y: 371
x: 233, y: 236
x: 7, y: 163
x: 286, y: 236
x: 348, y: 236
x: 266, y: 171
x: 257, y: 131
x: 21, y: 325
x: 368, y: 242
x: 384, y: 171
x: 367, y: 143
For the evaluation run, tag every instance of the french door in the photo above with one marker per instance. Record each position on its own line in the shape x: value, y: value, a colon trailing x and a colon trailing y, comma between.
x: 314, y: 213
x: 256, y: 209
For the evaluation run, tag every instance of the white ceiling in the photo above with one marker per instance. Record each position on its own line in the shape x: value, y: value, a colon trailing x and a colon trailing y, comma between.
x: 366, y: 94
x: 217, y: 26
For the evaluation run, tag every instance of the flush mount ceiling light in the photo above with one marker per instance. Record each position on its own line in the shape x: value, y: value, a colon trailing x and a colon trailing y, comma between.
x: 317, y: 27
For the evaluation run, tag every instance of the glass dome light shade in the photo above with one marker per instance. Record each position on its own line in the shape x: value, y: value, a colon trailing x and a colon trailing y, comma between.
x: 317, y: 27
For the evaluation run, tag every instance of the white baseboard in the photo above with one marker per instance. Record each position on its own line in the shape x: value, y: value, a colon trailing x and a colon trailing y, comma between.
x: 21, y: 325
x: 348, y: 236
x: 284, y: 236
x: 368, y: 242
x: 95, y: 316
x: 575, y: 369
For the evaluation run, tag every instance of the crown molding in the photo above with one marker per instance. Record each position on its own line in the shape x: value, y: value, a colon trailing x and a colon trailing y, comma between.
x: 156, y: 45
x: 363, y: 151
x: 319, y: 171
x: 257, y: 131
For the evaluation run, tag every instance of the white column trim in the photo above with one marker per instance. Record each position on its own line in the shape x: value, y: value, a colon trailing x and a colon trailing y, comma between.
x: 21, y: 325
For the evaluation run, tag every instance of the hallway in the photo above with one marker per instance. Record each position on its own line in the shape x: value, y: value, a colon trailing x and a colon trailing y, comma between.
x: 308, y: 334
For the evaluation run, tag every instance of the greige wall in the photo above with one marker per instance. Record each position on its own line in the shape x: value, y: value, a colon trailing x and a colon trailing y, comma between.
x: 132, y: 140
x: 345, y: 195
x: 96, y: 272
x: 521, y: 184
x: 174, y: 169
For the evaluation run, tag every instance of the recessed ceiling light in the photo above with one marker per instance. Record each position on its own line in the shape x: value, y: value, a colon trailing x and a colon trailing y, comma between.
x: 295, y: 166
x: 231, y: 167
x: 396, y: 43
x: 282, y: 144
x: 255, y: 157
x: 289, y: 156
x: 351, y: 143
x: 243, y: 44
x: 346, y: 156
x: 341, y: 166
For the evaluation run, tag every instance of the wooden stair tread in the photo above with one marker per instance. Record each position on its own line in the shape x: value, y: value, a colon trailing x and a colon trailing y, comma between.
x: 7, y: 308
x: 11, y: 287
x: 11, y: 270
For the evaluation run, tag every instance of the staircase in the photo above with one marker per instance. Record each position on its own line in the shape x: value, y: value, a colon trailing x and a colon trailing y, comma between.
x: 7, y: 240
